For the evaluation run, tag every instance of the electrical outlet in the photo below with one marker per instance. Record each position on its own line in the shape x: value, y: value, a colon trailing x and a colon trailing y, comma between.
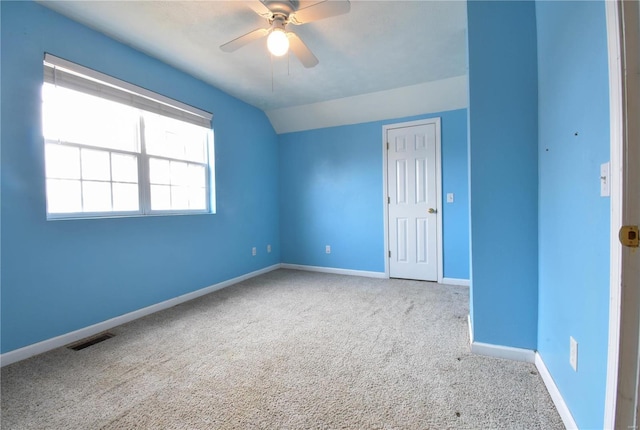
x: 254, y: 251
x: 573, y: 353
x: 327, y: 249
x: 268, y: 248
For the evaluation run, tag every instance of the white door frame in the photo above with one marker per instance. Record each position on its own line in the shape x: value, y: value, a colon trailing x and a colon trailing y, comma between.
x: 621, y: 402
x: 385, y: 193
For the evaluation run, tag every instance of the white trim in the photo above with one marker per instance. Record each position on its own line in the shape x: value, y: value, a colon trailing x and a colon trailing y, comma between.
x: 385, y: 193
x: 470, y: 330
x: 333, y: 270
x: 615, y: 127
x: 455, y: 281
x: 440, y: 208
x: 621, y: 398
x: 557, y: 398
x: 65, y: 339
x: 506, y: 352
x: 385, y: 201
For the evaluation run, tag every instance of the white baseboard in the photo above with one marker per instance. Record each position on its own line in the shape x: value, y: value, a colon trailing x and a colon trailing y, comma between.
x: 455, y: 281
x: 65, y: 339
x: 557, y: 398
x: 367, y: 274
x: 334, y: 270
x: 506, y: 352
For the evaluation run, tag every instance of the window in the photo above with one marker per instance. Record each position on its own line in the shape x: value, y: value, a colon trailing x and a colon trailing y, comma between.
x: 113, y: 149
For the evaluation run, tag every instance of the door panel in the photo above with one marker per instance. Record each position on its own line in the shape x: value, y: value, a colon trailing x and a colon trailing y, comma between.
x: 422, y: 238
x: 401, y: 184
x: 402, y: 249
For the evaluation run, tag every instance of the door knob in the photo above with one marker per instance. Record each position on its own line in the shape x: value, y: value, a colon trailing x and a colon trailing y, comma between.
x: 432, y: 210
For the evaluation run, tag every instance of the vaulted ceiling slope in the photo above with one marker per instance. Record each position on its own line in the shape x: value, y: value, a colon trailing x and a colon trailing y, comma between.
x: 381, y: 50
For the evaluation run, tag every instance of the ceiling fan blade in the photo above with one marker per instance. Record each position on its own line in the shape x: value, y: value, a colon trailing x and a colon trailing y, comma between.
x: 324, y: 9
x: 245, y: 39
x: 258, y: 7
x: 301, y: 51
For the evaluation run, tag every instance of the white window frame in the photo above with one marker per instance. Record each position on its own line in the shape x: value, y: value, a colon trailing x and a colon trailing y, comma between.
x: 70, y: 75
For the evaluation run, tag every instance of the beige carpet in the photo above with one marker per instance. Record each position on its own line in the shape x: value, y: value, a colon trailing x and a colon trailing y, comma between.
x: 286, y: 350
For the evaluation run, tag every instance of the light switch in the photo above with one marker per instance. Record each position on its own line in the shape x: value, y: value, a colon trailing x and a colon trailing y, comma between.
x: 449, y: 197
x: 573, y: 353
x: 605, y: 177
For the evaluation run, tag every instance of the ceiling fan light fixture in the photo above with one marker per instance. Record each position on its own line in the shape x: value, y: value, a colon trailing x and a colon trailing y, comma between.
x: 278, y: 42
x: 280, y: 13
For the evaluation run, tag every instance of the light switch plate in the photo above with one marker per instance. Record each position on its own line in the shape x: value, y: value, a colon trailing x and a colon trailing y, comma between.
x: 573, y: 353
x: 605, y: 178
x: 449, y: 197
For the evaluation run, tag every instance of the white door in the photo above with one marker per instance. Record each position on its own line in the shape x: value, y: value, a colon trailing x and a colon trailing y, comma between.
x: 412, y: 201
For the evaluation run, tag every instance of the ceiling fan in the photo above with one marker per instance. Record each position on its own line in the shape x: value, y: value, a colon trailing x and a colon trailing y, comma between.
x: 278, y: 14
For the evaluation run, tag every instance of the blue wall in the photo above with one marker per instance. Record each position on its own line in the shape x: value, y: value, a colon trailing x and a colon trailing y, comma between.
x: 59, y: 276
x: 503, y: 172
x: 573, y: 218
x: 539, y: 229
x: 331, y: 188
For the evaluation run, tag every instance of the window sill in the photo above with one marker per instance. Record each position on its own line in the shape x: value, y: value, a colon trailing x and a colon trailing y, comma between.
x: 86, y: 216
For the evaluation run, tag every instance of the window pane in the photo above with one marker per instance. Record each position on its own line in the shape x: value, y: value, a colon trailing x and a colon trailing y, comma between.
x: 95, y: 165
x: 197, y: 176
x: 196, y: 149
x: 63, y: 196
x: 172, y: 138
x: 72, y: 116
x: 125, y: 197
x: 96, y: 196
x: 197, y: 198
x: 50, y: 114
x: 159, y: 171
x: 160, y: 197
x: 179, y: 173
x: 62, y: 161
x: 124, y: 168
x: 179, y: 197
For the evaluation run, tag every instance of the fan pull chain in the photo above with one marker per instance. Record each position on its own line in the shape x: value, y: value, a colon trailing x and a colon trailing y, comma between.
x: 271, y: 58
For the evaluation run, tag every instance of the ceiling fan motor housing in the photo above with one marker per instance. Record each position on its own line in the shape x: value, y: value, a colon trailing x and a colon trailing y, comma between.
x: 281, y: 8
x: 279, y: 22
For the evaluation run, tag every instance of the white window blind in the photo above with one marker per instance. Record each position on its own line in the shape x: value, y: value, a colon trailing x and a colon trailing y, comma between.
x: 64, y: 73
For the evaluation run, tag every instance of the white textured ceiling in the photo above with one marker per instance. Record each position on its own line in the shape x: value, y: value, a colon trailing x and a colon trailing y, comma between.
x: 377, y: 46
